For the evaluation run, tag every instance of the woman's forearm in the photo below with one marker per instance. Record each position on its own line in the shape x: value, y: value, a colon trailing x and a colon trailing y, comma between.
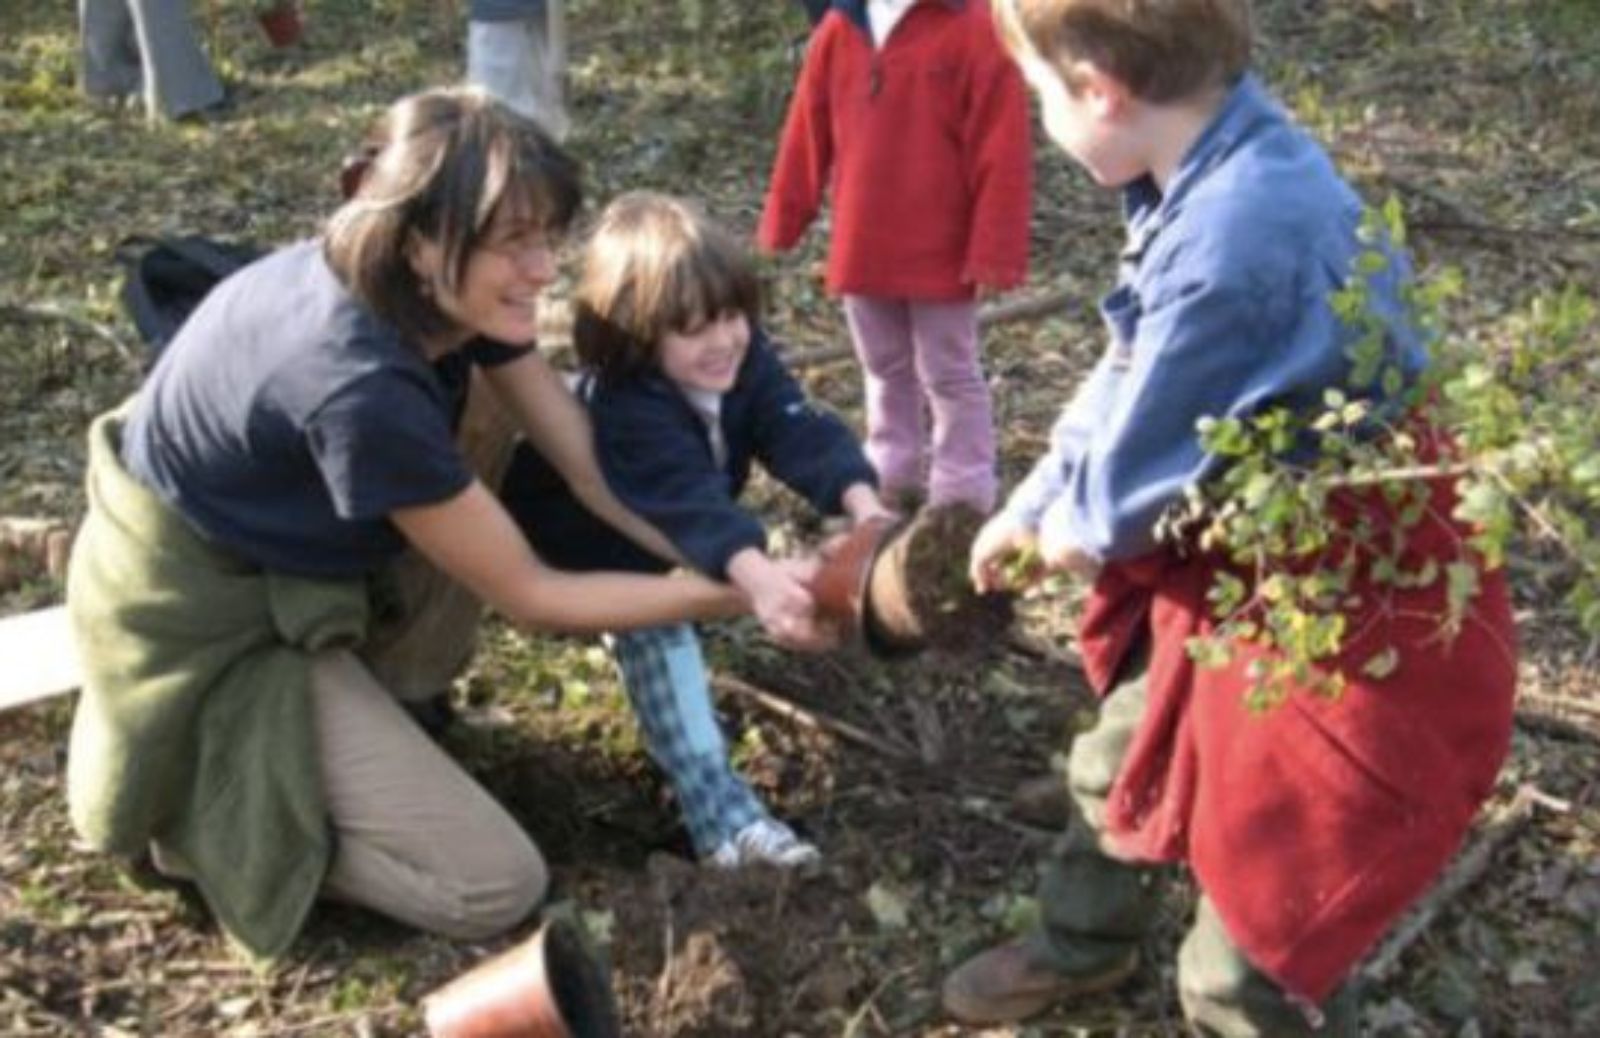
x: 471, y: 538
x: 590, y: 603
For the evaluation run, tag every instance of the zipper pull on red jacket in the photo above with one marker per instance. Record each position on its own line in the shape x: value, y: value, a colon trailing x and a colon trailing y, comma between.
x: 875, y: 79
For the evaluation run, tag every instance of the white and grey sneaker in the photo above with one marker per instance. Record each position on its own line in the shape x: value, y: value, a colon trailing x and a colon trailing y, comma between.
x: 765, y: 841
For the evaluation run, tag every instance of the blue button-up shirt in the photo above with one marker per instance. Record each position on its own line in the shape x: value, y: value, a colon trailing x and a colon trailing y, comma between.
x: 1222, y: 308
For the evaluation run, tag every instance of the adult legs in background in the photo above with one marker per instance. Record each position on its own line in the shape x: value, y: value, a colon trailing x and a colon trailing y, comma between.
x: 129, y: 45
x: 882, y: 332
x: 962, y: 446
x: 111, y: 66
x: 517, y: 50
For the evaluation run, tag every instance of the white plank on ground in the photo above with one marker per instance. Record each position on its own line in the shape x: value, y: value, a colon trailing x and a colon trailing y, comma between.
x: 38, y: 658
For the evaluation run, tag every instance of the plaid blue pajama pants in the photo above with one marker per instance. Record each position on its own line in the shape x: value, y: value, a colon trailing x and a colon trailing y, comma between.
x: 665, y: 677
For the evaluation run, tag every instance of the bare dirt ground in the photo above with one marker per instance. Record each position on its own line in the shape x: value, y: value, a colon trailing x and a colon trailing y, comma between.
x: 1482, y: 118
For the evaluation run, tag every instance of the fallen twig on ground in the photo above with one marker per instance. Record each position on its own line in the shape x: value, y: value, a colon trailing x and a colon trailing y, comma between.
x: 60, y: 314
x: 1037, y: 647
x: 1467, y: 869
x: 811, y: 719
x: 1546, y: 701
x: 1555, y: 727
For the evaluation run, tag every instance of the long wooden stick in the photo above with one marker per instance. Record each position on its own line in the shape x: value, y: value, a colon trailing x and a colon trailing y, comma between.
x: 1467, y: 870
x: 1586, y: 707
x: 55, y: 312
x: 811, y: 719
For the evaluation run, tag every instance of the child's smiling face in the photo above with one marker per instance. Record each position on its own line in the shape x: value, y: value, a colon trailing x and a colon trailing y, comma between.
x: 707, y: 357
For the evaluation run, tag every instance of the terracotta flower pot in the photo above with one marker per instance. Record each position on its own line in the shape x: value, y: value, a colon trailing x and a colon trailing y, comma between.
x: 282, y: 24
x: 546, y: 987
x: 901, y: 587
x: 844, y: 587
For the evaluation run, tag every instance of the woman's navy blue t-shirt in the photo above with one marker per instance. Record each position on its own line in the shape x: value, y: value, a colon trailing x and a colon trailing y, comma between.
x: 286, y: 422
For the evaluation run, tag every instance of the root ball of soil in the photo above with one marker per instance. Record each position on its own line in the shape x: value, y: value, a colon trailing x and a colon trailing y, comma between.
x: 919, y: 593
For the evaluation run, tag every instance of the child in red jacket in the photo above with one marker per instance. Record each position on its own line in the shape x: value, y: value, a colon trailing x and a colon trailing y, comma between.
x: 910, y: 113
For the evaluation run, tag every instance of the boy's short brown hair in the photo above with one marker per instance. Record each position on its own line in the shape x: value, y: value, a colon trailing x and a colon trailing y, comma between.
x: 1161, y: 50
x: 440, y: 164
x: 654, y: 264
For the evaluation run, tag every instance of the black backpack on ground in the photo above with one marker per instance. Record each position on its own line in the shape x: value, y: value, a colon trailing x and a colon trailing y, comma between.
x: 167, y: 278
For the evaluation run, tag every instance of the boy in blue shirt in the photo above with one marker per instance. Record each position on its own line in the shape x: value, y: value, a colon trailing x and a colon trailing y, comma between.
x: 1311, y: 827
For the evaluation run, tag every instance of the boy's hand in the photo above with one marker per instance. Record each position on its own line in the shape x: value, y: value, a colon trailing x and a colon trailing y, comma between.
x: 1062, y: 556
x: 1001, y: 547
x: 781, y: 600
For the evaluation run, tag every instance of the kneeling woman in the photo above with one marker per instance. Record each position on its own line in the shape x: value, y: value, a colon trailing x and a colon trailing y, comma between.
x: 234, y: 586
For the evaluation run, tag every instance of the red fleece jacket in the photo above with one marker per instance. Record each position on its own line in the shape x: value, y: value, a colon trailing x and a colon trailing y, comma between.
x: 928, y: 147
x: 1312, y: 826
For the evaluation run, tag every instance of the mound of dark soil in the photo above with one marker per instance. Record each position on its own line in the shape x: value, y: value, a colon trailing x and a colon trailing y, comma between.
x: 702, y: 952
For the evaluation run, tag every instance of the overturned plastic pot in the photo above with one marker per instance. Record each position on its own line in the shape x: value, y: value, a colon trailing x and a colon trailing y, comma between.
x: 547, y: 987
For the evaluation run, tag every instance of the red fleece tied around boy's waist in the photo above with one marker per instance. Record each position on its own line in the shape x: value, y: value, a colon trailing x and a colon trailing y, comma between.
x: 1310, y: 826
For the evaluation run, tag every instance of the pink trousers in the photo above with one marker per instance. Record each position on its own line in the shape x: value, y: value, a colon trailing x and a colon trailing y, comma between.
x: 921, y: 357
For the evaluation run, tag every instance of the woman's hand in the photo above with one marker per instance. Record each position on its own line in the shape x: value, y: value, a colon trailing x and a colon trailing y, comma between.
x: 781, y: 599
x: 1001, y: 548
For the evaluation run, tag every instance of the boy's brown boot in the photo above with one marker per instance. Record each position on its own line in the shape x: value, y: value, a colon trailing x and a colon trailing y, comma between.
x: 1011, y: 982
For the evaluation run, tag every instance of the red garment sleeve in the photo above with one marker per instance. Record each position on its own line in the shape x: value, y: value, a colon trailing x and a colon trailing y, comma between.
x: 805, y: 149
x: 999, y: 142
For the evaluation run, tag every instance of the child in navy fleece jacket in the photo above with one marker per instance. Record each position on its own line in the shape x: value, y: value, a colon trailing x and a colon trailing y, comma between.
x: 686, y: 393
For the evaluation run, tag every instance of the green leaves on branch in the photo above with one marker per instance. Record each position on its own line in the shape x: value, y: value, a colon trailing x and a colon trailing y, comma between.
x: 1294, y: 503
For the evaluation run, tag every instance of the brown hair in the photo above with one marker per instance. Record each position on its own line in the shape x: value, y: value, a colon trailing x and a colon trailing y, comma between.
x: 442, y: 163
x: 1161, y: 50
x: 654, y: 264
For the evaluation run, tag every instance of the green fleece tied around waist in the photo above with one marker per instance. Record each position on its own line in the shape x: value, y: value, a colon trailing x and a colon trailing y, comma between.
x: 194, y: 727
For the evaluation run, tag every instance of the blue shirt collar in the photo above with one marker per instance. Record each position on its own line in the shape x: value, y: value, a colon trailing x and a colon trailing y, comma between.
x: 1144, y: 205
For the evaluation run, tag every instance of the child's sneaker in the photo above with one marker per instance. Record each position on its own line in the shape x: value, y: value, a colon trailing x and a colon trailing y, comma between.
x: 765, y: 841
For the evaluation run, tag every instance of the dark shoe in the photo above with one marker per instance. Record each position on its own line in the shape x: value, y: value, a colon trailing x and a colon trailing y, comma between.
x: 1043, y: 802
x: 1009, y: 983
x: 216, y: 112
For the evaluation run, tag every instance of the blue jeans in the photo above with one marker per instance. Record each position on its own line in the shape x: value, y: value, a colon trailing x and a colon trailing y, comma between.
x: 665, y: 677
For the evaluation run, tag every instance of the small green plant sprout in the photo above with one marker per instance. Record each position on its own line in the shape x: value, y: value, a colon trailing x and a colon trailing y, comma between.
x: 1021, y: 569
x: 1312, y: 508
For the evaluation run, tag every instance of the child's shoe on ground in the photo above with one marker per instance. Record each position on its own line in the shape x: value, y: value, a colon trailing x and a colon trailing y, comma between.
x: 765, y: 841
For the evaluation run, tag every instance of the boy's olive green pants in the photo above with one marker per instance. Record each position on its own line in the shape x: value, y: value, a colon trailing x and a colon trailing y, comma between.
x: 1096, y: 909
